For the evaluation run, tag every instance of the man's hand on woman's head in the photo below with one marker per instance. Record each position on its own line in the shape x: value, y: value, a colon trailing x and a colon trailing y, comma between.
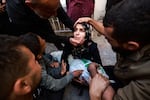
x: 83, y: 19
x: 95, y: 24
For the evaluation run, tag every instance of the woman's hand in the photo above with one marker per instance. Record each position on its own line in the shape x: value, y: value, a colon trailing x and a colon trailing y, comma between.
x: 75, y: 41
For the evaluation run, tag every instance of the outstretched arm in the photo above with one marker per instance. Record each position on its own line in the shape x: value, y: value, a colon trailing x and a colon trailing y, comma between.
x: 51, y: 83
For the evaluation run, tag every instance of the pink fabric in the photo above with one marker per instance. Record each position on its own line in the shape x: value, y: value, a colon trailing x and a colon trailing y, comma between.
x: 79, y: 8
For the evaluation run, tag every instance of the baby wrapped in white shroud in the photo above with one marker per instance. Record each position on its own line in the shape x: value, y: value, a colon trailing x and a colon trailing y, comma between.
x: 82, y: 64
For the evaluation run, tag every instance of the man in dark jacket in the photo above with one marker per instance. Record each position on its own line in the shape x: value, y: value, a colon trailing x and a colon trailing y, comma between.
x: 127, y: 28
x: 32, y: 16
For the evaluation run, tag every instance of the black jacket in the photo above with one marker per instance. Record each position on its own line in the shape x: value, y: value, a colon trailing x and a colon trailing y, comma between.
x: 25, y: 20
x: 88, y: 51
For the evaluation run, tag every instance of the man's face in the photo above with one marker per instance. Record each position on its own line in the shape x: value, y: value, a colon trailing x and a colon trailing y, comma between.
x: 116, y: 46
x: 79, y: 33
x: 108, y: 35
x: 34, y: 74
x: 44, y: 8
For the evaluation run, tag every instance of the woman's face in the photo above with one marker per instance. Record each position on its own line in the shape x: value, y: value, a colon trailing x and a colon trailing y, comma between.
x: 79, y: 33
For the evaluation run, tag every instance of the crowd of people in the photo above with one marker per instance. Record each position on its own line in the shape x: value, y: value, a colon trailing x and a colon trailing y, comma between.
x: 26, y: 71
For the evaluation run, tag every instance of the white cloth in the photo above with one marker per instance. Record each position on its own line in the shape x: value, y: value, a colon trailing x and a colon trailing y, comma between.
x: 63, y: 3
x: 57, y: 54
x: 80, y: 64
x: 99, y: 9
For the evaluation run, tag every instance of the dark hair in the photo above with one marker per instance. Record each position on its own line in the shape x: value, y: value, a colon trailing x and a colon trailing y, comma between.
x: 31, y: 41
x: 130, y: 20
x: 13, y: 64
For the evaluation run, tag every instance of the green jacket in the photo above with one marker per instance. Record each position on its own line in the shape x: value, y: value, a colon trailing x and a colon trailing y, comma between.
x: 134, y: 72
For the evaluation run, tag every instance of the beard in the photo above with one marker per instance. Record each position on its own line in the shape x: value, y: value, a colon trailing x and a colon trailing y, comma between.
x: 122, y: 51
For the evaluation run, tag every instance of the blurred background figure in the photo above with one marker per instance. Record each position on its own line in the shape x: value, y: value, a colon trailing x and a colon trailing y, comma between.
x: 79, y: 8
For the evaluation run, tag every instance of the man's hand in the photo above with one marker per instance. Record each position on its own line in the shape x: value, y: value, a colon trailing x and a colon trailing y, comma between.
x: 81, y: 81
x: 63, y: 67
x: 98, y: 84
x: 2, y: 8
x: 74, y: 41
x: 83, y: 19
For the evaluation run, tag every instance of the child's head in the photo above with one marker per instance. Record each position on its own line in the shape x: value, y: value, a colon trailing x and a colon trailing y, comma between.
x: 51, y: 61
x: 35, y: 43
x: 82, y: 32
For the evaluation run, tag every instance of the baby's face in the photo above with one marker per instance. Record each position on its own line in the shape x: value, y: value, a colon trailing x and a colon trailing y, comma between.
x: 54, y: 64
x: 79, y: 33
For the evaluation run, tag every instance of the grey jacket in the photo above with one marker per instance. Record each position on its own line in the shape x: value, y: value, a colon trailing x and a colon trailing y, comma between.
x: 51, y: 83
x: 134, y: 72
